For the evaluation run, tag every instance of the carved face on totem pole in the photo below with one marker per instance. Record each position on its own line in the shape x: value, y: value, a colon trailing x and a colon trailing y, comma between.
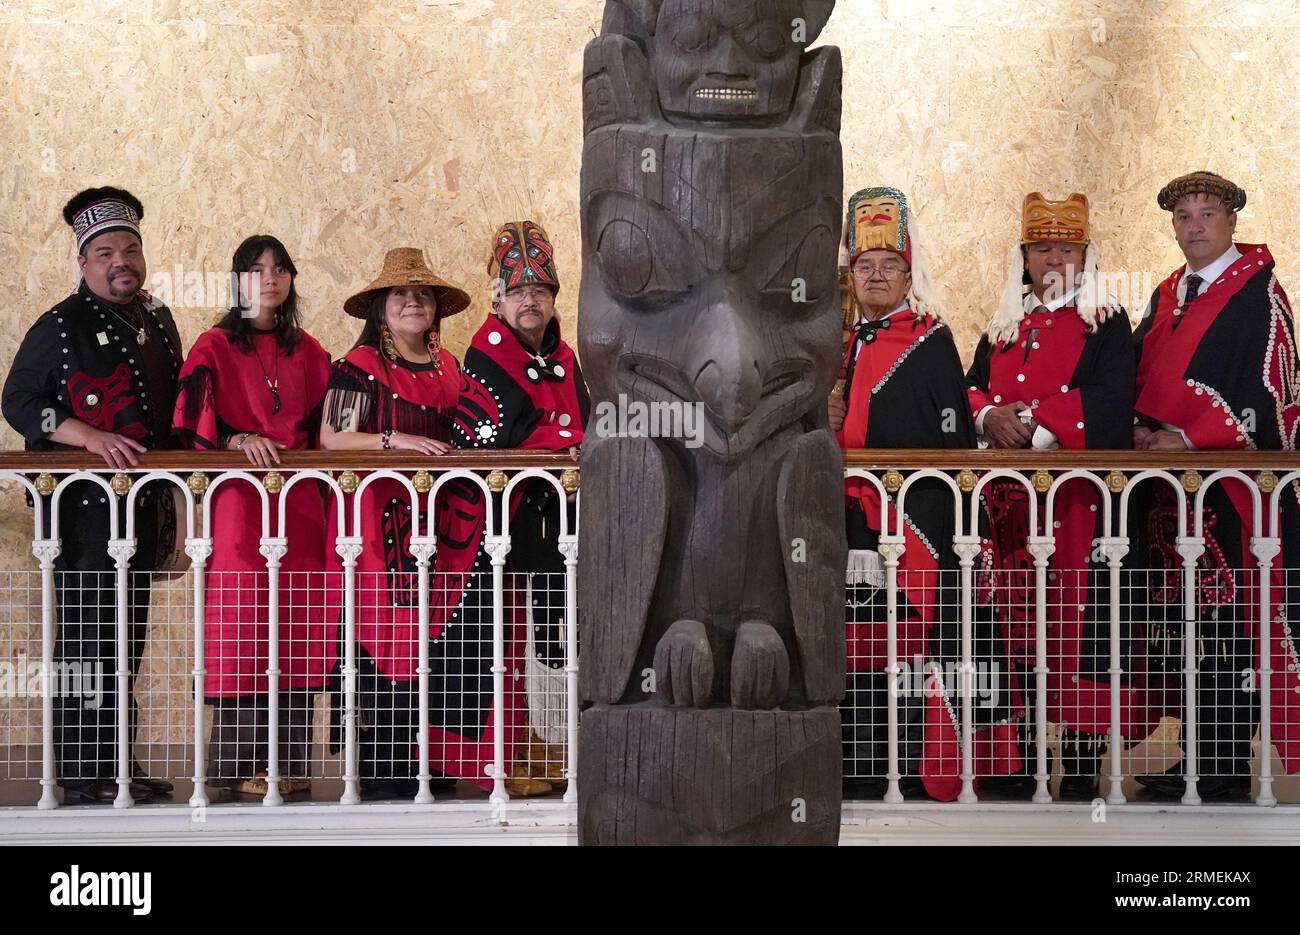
x: 727, y: 62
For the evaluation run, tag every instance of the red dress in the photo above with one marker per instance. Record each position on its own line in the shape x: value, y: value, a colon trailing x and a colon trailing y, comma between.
x: 224, y: 392
x: 371, y: 394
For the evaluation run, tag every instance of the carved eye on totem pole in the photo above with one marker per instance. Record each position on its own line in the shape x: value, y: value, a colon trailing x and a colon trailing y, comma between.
x: 645, y: 257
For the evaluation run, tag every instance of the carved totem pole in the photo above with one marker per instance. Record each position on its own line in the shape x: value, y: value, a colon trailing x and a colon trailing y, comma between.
x: 712, y: 576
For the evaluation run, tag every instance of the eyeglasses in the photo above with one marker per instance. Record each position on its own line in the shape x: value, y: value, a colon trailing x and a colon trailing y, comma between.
x: 534, y: 292
x: 866, y: 271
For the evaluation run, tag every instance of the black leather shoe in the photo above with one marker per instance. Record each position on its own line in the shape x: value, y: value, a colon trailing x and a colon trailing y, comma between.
x: 912, y: 788
x: 374, y: 790
x: 442, y: 784
x: 99, y: 792
x: 1017, y: 788
x: 1079, y: 788
x: 1224, y: 789
x: 1210, y: 789
x: 1173, y: 773
x: 1164, y: 788
x: 156, y: 787
x: 872, y: 787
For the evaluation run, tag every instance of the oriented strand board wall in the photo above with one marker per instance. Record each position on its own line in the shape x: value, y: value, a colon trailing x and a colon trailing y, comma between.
x: 349, y: 127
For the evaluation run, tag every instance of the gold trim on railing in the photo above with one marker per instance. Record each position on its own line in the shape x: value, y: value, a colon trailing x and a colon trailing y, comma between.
x: 121, y: 484
x: 966, y: 480
x: 1064, y: 459
x: 1191, y: 481
x: 197, y: 482
x: 45, y: 484
x: 348, y: 481
x: 1116, y: 481
x: 1042, y: 481
x: 423, y: 481
x: 1266, y: 480
x: 570, y: 480
x: 496, y: 481
x: 892, y: 481
x: 273, y: 481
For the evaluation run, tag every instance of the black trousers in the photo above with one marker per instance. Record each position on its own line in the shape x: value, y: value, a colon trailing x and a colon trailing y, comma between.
x: 864, y: 727
x: 1227, y: 711
x: 85, y: 720
x: 1080, y: 752
x: 388, y: 723
x: 237, y: 747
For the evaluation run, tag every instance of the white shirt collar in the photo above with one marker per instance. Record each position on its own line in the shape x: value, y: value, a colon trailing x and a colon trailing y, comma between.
x: 900, y: 307
x: 1032, y: 301
x: 1211, y: 272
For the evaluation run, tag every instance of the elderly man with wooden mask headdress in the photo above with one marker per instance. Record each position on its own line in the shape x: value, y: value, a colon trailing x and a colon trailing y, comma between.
x: 903, y: 388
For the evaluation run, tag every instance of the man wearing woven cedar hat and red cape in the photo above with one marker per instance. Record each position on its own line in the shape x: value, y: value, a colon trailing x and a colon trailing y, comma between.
x: 1217, y: 370
x: 903, y: 388
x: 1054, y: 369
x: 523, y: 388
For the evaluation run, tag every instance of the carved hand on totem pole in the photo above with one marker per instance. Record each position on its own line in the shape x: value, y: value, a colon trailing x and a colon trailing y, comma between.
x: 711, y: 192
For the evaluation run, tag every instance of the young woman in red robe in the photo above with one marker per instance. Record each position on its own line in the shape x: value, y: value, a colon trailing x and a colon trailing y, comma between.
x: 395, y: 391
x: 255, y: 383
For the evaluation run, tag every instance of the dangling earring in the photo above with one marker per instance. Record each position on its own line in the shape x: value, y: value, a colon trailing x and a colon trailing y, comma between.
x: 386, y: 342
x: 435, y: 345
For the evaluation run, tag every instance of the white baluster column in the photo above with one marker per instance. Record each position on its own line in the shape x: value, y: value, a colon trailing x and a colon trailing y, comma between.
x: 496, y: 548
x: 199, y: 550
x: 891, y: 550
x: 1190, y: 548
x: 1115, y: 548
x: 422, y: 549
x: 121, y: 551
x: 273, y: 549
x: 1265, y: 549
x: 1041, y: 548
x: 46, y: 551
x: 967, y: 547
x: 349, y: 549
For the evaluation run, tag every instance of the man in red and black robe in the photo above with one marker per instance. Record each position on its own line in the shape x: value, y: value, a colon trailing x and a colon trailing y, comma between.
x: 1217, y: 370
x: 97, y: 372
x: 1055, y: 369
x: 902, y: 388
x: 522, y: 388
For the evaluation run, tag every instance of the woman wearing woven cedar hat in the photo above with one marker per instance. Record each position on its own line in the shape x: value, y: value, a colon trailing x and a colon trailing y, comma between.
x: 1217, y: 370
x: 394, y: 391
x: 1054, y: 369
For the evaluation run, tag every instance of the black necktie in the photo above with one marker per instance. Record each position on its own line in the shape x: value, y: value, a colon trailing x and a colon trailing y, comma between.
x: 1194, y: 283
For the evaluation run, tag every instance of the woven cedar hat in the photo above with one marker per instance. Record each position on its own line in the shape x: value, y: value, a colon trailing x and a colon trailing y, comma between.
x: 1195, y: 183
x: 405, y: 266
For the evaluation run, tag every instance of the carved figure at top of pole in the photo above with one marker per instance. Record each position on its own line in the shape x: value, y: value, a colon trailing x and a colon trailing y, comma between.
x: 714, y: 60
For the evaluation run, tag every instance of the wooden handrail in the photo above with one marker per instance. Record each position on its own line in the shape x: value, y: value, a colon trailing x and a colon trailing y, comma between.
x: 290, y: 460
x: 1061, y: 459
x: 872, y: 458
